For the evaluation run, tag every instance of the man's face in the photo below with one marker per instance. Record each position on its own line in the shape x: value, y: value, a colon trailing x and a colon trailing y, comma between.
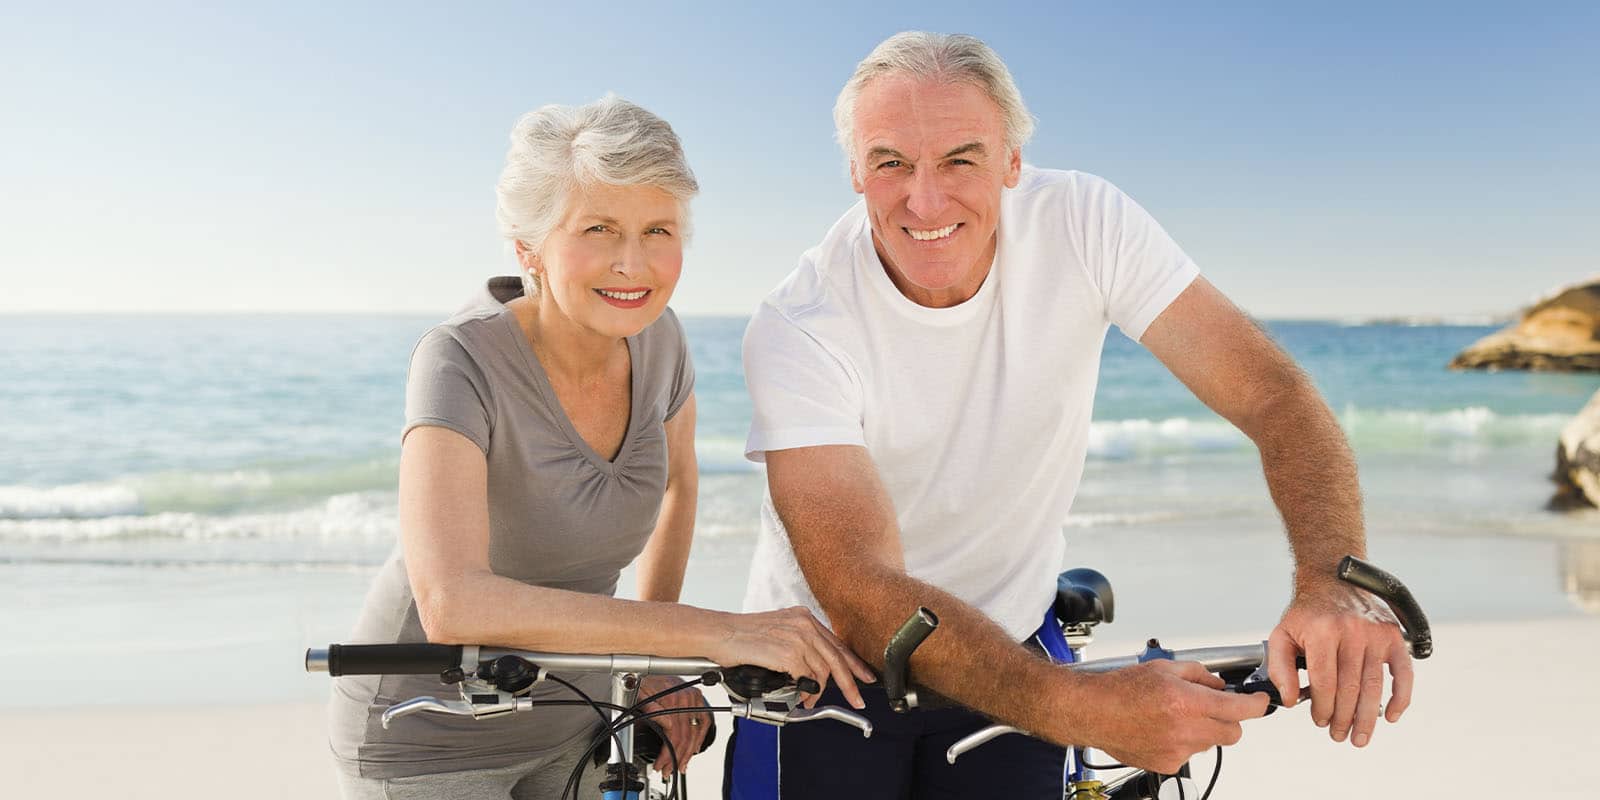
x: 931, y: 159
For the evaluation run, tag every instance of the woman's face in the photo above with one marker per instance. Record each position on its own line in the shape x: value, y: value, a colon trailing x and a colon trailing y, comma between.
x: 611, y: 263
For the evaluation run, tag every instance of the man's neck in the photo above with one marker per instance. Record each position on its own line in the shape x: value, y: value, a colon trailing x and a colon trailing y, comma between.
x: 946, y: 297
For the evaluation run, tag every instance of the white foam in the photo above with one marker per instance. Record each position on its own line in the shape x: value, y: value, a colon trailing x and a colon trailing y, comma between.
x: 1127, y: 438
x: 1110, y: 519
x: 722, y: 454
x: 359, y: 515
x: 1381, y: 429
x: 202, y: 492
x: 73, y: 501
x: 1389, y: 428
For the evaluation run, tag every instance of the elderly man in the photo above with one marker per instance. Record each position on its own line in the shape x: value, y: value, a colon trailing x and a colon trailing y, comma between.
x: 922, y: 387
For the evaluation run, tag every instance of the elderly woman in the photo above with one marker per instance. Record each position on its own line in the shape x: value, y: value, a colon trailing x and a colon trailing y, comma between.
x: 549, y: 441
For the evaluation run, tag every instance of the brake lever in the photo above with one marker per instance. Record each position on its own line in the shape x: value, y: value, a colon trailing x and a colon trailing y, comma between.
x: 834, y: 713
x: 757, y: 711
x: 979, y: 737
x: 459, y: 708
x: 1259, y: 681
x: 479, y: 706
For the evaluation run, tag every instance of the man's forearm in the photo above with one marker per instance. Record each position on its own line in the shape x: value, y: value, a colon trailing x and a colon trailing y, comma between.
x: 1311, y: 474
x: 969, y: 659
x: 841, y: 525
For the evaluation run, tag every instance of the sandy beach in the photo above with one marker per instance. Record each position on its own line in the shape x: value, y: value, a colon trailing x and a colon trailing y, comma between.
x: 1502, y: 702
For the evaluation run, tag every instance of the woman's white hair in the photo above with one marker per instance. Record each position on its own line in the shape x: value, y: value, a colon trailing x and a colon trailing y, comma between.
x: 937, y: 56
x: 556, y: 150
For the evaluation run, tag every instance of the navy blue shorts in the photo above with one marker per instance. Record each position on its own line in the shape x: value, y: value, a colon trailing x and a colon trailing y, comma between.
x: 827, y: 760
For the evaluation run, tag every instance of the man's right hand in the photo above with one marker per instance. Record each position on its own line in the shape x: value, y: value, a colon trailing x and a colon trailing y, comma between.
x: 1159, y: 714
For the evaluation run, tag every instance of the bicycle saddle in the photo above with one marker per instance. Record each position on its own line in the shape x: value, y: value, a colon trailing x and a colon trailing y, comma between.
x: 1083, y: 595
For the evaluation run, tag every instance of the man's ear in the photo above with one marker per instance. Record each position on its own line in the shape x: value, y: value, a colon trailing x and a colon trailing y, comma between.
x: 855, y: 179
x: 1014, y: 168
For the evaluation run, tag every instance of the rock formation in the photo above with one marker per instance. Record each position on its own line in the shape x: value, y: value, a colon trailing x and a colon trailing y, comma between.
x: 1578, y: 459
x: 1560, y: 333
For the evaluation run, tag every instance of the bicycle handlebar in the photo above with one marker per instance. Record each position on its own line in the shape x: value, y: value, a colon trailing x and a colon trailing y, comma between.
x: 1413, y: 623
x: 432, y: 659
x: 384, y: 659
x: 1252, y: 658
x: 750, y: 688
x: 897, y: 658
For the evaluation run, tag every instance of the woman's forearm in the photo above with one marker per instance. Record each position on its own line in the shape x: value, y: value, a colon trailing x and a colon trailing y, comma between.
x: 489, y: 609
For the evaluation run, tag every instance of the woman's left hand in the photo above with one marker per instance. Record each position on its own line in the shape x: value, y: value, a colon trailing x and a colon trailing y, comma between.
x: 685, y: 731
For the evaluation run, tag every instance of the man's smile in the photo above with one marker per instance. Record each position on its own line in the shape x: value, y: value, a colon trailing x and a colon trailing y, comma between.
x: 933, y: 235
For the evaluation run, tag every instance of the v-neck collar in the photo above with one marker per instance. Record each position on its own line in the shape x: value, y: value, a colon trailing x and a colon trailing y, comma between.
x: 547, y: 392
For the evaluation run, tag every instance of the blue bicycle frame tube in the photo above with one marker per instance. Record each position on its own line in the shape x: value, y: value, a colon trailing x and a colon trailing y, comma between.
x: 1054, y: 643
x: 1053, y: 640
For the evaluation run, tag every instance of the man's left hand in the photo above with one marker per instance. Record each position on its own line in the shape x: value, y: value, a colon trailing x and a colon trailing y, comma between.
x: 1347, y: 637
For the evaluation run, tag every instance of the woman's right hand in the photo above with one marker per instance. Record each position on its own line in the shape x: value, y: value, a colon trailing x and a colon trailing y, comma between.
x: 792, y: 640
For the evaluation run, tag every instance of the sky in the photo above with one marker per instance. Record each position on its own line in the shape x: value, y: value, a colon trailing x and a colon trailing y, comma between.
x: 1348, y: 160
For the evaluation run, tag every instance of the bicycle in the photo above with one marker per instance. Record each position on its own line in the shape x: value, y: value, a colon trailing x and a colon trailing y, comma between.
x: 491, y: 680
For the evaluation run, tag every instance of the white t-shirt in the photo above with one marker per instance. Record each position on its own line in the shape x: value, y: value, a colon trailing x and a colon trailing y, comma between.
x: 977, y: 415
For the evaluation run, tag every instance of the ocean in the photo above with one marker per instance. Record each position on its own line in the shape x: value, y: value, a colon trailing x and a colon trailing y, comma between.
x: 186, y: 502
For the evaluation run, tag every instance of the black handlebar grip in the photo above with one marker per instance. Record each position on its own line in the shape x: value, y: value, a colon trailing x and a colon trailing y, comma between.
x: 392, y: 659
x: 897, y: 656
x: 750, y: 682
x: 1413, y: 623
x: 647, y: 744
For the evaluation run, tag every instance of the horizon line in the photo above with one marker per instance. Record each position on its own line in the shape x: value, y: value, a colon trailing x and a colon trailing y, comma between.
x: 1443, y: 320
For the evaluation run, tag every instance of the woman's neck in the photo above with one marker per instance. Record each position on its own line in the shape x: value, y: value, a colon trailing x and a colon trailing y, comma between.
x: 565, y: 348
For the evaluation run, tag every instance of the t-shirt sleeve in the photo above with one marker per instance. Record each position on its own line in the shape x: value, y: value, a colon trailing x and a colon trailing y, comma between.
x: 801, y: 394
x: 447, y: 389
x: 683, y: 370
x: 1139, y: 269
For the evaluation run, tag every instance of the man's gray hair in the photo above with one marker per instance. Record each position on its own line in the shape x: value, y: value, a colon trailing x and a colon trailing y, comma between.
x: 556, y: 150
x: 938, y: 56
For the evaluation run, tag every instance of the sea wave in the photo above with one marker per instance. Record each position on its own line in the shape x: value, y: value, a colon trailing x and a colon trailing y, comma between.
x: 178, y: 493
x: 1130, y: 438
x: 1395, y: 429
x: 343, y: 517
x: 70, y: 502
x: 1107, y: 519
x: 1369, y: 430
x: 721, y: 455
x: 356, y: 499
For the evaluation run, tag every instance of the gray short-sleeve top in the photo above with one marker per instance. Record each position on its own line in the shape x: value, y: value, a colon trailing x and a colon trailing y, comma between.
x: 560, y: 516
